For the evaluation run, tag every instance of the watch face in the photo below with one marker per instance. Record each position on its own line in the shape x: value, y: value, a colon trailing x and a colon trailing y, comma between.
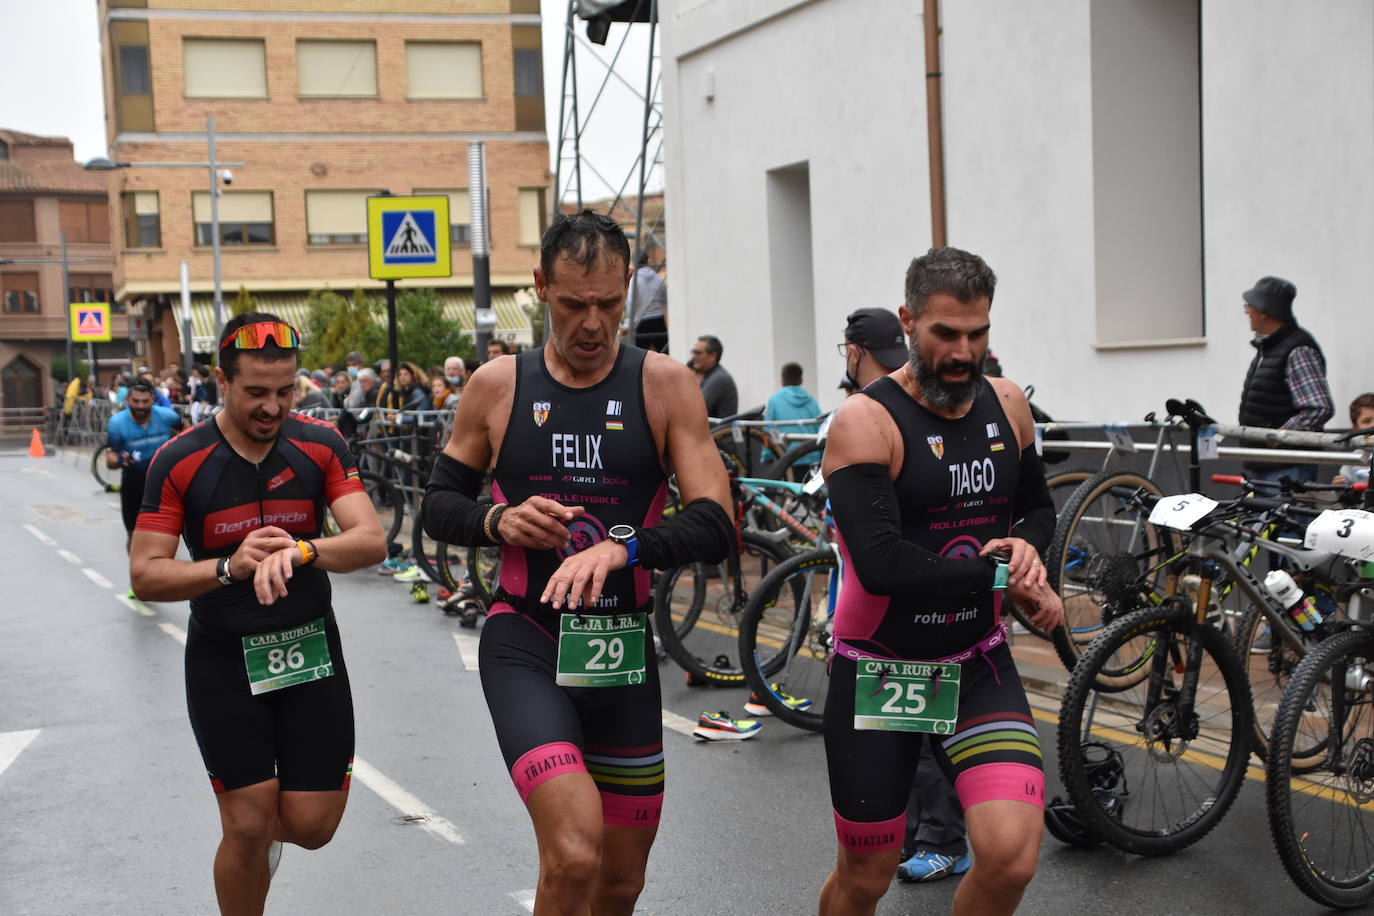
x: 621, y: 533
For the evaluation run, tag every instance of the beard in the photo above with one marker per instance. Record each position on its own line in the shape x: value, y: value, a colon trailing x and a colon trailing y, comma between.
x: 937, y: 392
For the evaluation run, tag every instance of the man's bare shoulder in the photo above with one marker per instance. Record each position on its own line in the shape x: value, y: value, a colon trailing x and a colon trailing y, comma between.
x: 862, y: 431
x: 1015, y: 406
x: 666, y: 373
x: 492, y: 378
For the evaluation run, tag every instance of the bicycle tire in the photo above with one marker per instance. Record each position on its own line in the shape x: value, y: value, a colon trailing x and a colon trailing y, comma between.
x: 484, y: 572
x: 796, y: 665
x: 1293, y: 794
x: 1270, y: 671
x: 779, y: 468
x: 1082, y: 541
x: 1061, y: 485
x: 441, y: 565
x: 1161, y: 768
x: 704, y: 649
x: 386, y: 501
x: 104, y: 475
x: 755, y: 440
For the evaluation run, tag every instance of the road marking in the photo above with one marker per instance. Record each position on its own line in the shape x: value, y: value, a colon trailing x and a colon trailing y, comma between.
x: 173, y: 631
x: 97, y: 578
x: 678, y: 723
x: 397, y: 797
x: 113, y: 505
x: 44, y: 471
x: 43, y: 538
x: 524, y: 898
x: 12, y: 744
x: 467, y: 650
x: 138, y: 607
x: 69, y: 557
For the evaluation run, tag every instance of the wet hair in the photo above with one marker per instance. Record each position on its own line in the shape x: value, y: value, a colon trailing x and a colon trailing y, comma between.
x: 951, y: 271
x: 229, y: 356
x: 791, y: 374
x: 583, y: 238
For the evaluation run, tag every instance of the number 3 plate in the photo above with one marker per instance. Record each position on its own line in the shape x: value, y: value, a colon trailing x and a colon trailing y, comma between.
x: 600, y: 651
x: 1181, y: 511
x: 906, y: 696
x: 1344, y: 532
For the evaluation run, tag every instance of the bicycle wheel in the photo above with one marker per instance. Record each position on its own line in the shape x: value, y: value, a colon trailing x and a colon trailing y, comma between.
x: 742, y: 447
x: 697, y: 609
x: 1101, y: 549
x: 107, y: 477
x: 1061, y: 485
x: 1320, y: 814
x: 1270, y: 663
x: 1171, y: 772
x: 484, y: 571
x: 785, y: 637
x: 438, y: 561
x: 782, y: 469
x: 386, y: 500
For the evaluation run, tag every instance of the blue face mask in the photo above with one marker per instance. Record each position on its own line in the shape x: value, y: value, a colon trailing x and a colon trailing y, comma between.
x: 454, y: 380
x: 352, y: 371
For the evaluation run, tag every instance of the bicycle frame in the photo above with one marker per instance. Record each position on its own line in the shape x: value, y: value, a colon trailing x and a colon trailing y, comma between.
x: 754, y: 492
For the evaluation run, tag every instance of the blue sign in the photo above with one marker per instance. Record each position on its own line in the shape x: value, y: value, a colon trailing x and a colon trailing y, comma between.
x: 409, y: 237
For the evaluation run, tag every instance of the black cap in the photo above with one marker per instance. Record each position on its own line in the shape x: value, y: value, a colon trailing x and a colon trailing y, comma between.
x: 1273, y: 296
x: 879, y: 332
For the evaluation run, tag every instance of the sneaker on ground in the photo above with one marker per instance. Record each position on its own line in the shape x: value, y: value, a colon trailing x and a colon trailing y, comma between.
x: 1263, y: 642
x: 273, y: 858
x: 412, y: 574
x: 755, y: 706
x: 419, y: 593
x: 392, y: 565
x: 718, y: 726
x: 932, y: 866
x: 131, y: 596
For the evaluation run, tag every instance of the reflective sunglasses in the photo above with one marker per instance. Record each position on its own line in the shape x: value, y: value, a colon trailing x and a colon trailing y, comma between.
x: 255, y: 336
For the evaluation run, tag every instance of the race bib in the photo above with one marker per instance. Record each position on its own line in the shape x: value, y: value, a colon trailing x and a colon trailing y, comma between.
x: 287, y: 657
x: 906, y: 696
x: 1181, y: 511
x: 1344, y: 532
x: 600, y: 651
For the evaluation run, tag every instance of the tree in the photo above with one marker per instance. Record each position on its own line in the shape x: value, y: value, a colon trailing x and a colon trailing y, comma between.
x: 57, y: 368
x: 423, y: 335
x: 243, y: 303
x: 336, y: 325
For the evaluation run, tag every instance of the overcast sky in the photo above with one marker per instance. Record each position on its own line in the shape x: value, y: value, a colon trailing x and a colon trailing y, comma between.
x: 50, y: 84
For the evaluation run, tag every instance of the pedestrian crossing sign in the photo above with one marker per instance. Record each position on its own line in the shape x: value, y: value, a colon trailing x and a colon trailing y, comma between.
x: 408, y: 237
x: 90, y: 321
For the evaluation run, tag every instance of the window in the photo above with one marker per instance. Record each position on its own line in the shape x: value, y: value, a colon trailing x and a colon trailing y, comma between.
x: 89, y: 288
x: 4, y: 150
x: 16, y: 220
x: 336, y: 217
x: 224, y: 68
x: 459, y: 215
x: 529, y: 72
x: 245, y: 218
x: 84, y: 222
x: 533, y: 215
x: 443, y: 70
x: 142, y: 220
x: 21, y: 292
x: 133, y: 70
x: 334, y: 69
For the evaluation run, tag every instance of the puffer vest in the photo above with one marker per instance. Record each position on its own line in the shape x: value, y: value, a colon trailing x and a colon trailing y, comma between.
x: 1266, y: 400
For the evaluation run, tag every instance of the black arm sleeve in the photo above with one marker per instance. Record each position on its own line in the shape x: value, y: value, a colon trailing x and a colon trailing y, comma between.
x: 699, y: 532
x: 864, y: 502
x: 450, y: 511
x: 1034, y: 509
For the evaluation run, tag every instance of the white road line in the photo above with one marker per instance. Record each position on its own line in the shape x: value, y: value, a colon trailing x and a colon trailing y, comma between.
x: 12, y: 744
x: 678, y: 723
x: 397, y: 797
x: 173, y: 631
x: 138, y: 607
x: 36, y: 532
x: 113, y: 505
x: 467, y: 650
x: 524, y: 898
x: 44, y: 471
x: 97, y: 578
x: 69, y: 557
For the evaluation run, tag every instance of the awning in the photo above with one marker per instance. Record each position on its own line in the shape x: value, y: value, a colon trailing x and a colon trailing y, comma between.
x: 511, y: 322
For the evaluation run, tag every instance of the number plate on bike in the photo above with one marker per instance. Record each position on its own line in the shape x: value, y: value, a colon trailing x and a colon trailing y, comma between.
x: 1181, y: 511
x: 287, y: 657
x: 906, y: 696
x: 1344, y: 532
x: 600, y: 651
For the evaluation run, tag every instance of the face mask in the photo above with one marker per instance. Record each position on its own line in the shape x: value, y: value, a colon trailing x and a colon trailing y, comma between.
x: 454, y: 380
x: 352, y: 371
x: 849, y: 374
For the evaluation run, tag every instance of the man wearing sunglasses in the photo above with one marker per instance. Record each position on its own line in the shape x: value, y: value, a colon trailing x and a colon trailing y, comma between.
x: 266, y: 685
x: 581, y: 435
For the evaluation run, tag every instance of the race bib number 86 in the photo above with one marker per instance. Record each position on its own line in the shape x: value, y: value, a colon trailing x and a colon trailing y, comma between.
x: 287, y: 657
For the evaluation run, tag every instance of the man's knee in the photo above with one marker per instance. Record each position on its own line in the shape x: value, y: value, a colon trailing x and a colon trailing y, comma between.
x: 249, y: 825
x: 865, y: 878
x: 573, y: 859
x: 1006, y: 866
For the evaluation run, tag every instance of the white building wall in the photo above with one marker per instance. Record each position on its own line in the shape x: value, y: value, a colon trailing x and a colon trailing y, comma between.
x: 1287, y: 155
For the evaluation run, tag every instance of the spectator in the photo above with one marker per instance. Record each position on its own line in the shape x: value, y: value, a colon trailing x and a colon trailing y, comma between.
x: 717, y: 385
x: 78, y: 390
x: 497, y: 348
x: 339, y: 388
x: 383, y: 369
x: 649, y: 300
x: 364, y: 392
x: 455, y: 373
x: 205, y: 393
x: 443, y: 396
x: 411, y: 391
x: 874, y: 345
x: 1285, y: 387
x: 307, y: 396
x: 1361, y: 417
x: 792, y: 402
x: 353, y: 363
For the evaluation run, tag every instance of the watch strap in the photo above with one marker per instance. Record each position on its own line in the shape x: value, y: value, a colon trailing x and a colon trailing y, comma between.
x: 1000, y: 574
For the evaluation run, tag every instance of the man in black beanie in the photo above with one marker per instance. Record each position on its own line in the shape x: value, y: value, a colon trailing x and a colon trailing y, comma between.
x: 1285, y: 387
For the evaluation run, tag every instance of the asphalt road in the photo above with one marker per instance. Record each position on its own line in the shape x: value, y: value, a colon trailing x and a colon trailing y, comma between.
x: 105, y: 808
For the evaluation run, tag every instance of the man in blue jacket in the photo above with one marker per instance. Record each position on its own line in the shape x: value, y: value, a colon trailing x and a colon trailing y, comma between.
x: 792, y: 402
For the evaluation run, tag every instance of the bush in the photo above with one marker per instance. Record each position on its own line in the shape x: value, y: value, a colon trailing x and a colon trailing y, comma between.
x: 423, y: 335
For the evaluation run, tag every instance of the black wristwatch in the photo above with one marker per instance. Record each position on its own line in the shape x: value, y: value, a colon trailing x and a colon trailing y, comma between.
x: 629, y: 537
x: 222, y: 572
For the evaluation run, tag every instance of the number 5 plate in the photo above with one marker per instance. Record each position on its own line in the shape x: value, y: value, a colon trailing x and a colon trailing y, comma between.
x: 906, y: 696
x: 1181, y: 511
x: 287, y: 657
x: 1344, y: 532
x: 605, y: 651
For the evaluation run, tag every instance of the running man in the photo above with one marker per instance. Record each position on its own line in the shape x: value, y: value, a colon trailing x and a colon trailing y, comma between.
x: 266, y: 684
x: 133, y: 435
x: 584, y: 433
x: 941, y: 505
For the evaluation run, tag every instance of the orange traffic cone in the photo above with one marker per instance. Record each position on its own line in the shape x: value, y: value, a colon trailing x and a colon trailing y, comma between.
x: 36, y: 445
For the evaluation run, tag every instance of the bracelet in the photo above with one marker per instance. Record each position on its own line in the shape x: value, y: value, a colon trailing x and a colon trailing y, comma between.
x: 491, y: 521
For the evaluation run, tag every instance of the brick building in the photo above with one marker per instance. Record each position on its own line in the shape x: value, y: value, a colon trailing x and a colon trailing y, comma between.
x: 325, y: 102
x: 43, y: 194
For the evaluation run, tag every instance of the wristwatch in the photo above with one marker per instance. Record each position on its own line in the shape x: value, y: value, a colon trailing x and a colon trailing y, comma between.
x: 1000, y: 571
x: 222, y: 572
x: 308, y: 552
x: 627, y: 535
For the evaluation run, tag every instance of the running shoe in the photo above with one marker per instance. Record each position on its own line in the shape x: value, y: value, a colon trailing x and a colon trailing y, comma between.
x: 419, y: 593
x: 392, y: 565
x: 1263, y: 643
x: 411, y: 574
x: 932, y: 866
x: 718, y: 726
x: 273, y: 858
x: 131, y: 596
x: 755, y: 706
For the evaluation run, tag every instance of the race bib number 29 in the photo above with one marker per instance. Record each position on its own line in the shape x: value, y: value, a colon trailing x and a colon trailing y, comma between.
x: 287, y: 657
x: 600, y: 651
x: 906, y: 696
